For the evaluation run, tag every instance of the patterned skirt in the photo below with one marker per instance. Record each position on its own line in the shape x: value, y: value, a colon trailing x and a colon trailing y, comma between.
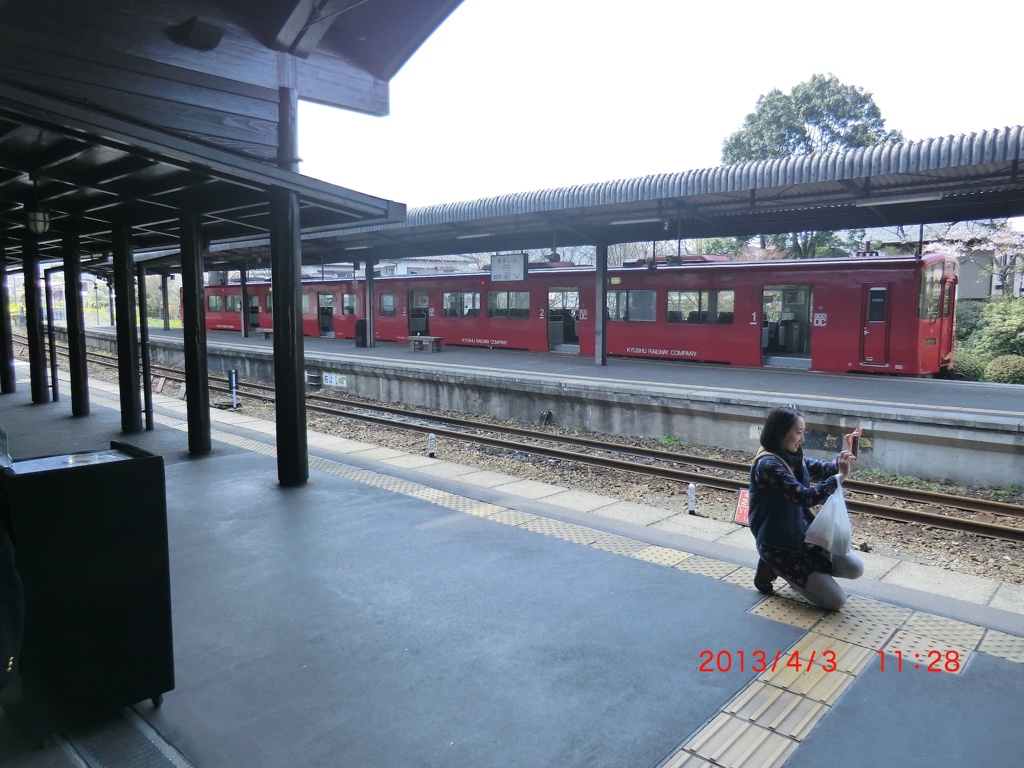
x: 795, y: 567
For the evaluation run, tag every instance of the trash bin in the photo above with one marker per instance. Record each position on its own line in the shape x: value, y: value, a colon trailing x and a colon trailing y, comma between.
x: 361, y: 332
x: 90, y: 537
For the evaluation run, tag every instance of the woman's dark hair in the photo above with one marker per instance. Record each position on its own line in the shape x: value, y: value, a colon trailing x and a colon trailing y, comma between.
x: 777, y: 425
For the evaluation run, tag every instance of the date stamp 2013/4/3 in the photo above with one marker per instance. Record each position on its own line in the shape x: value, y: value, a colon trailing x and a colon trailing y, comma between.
x: 762, y: 661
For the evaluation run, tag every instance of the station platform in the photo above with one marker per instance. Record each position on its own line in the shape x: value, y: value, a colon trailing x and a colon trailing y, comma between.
x: 402, y: 610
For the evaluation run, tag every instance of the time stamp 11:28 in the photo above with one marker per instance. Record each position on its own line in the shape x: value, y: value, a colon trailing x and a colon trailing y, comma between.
x: 764, y: 661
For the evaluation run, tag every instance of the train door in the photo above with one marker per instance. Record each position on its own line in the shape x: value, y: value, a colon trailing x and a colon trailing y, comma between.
x: 325, y: 313
x: 563, y: 313
x: 419, y: 310
x: 874, y: 340
x: 946, y: 330
x: 254, y: 311
x: 785, y: 325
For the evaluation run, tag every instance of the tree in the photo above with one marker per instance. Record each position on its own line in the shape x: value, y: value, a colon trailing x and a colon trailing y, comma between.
x: 820, y: 115
x: 994, y: 238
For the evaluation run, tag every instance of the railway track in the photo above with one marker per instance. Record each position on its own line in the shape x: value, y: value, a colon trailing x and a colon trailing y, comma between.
x: 955, y: 513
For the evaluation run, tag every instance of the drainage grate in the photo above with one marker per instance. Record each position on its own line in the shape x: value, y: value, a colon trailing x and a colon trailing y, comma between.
x: 124, y: 741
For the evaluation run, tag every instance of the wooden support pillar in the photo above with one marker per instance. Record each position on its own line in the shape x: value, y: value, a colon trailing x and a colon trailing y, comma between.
x: 193, y: 315
x: 371, y: 302
x: 286, y: 282
x: 127, y: 339
x: 164, y: 296
x: 601, y: 304
x: 243, y: 284
x: 147, y: 369
x: 34, y: 321
x: 289, y: 351
x: 77, y: 361
x: 51, y: 336
x: 8, y: 384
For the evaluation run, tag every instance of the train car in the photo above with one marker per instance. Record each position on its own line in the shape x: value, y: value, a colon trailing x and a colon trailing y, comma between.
x: 538, y: 314
x: 876, y: 314
x: 868, y: 314
x: 330, y: 308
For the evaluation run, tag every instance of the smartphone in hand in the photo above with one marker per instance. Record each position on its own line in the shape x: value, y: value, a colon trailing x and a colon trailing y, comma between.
x: 855, y: 444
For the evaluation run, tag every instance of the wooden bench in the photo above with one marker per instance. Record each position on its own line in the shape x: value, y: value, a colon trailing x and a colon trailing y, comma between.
x: 267, y: 332
x: 425, y: 343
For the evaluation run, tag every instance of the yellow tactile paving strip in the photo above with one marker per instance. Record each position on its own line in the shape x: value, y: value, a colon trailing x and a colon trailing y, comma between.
x: 766, y: 721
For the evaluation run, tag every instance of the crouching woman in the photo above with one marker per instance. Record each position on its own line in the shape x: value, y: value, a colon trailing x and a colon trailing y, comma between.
x: 784, y: 485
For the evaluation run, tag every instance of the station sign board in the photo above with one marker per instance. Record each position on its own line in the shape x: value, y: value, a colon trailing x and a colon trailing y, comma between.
x: 508, y: 267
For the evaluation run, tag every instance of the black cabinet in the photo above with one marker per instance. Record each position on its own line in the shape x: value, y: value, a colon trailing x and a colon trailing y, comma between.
x: 90, y: 537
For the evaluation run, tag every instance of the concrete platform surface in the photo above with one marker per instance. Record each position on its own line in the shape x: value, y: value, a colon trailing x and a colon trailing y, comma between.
x: 385, y: 614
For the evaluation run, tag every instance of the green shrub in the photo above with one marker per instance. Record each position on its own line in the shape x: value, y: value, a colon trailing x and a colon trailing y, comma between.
x: 1000, y: 330
x: 1008, y: 369
x: 968, y: 364
x: 968, y: 313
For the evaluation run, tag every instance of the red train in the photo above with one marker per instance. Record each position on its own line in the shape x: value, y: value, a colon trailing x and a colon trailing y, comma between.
x: 869, y: 314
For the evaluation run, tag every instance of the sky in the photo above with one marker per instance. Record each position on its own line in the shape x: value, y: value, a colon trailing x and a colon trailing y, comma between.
x: 519, y: 95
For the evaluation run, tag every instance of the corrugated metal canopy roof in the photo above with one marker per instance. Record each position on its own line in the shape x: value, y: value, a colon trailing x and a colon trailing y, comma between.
x: 952, y: 178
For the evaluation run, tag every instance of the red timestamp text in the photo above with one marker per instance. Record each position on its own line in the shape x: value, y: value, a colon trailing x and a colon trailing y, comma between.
x: 762, y: 661
x: 932, y: 661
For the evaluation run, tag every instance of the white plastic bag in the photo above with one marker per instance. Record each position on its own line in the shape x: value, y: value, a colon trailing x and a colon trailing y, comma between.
x: 830, y: 530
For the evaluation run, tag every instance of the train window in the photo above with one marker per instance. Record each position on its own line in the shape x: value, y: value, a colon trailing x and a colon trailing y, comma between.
x: 701, y: 307
x: 215, y: 304
x: 720, y: 306
x: 234, y: 303
x: 305, y: 304
x: 515, y: 304
x: 387, y: 305
x: 519, y: 304
x: 348, y: 303
x: 876, y: 305
x: 270, y: 303
x: 616, y: 301
x: 457, y: 304
x: 641, y: 305
x: 930, y: 298
x: 631, y: 305
x: 683, y: 306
